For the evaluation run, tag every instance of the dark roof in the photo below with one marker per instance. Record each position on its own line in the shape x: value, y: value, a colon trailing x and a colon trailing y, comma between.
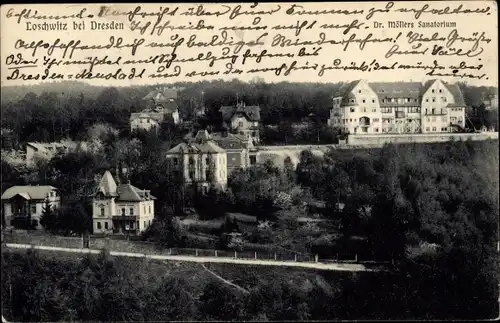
x: 346, y: 88
x: 123, y: 192
x: 194, y: 148
x: 130, y: 193
x: 412, y: 90
x: 457, y: 94
x: 251, y: 112
x: 231, y: 141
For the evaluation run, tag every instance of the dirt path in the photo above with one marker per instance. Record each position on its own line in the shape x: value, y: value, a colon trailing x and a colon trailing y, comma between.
x: 200, y: 259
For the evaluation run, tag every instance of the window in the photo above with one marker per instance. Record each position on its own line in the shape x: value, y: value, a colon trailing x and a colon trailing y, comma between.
x: 433, y: 128
x: 443, y: 118
x: 102, y: 211
x: 148, y: 121
x: 240, y: 124
x: 376, y: 119
x: 149, y: 223
x: 373, y: 100
x: 432, y: 90
x: 376, y: 129
x: 427, y: 128
x: 150, y: 209
x: 144, y: 223
x: 350, y: 120
x: 433, y: 99
x: 428, y: 119
x: 33, y: 209
x: 443, y: 129
x: 364, y: 101
x: 408, y: 100
x: 131, y: 211
x: 353, y: 109
x: 440, y: 91
x: 123, y: 211
x: 144, y: 208
x: 374, y: 109
x: 444, y: 99
x: 131, y: 225
x: 51, y: 194
x: 99, y: 225
x: 364, y: 109
x: 106, y: 225
x: 207, y: 160
x: 359, y: 91
x: 176, y: 162
x: 426, y: 100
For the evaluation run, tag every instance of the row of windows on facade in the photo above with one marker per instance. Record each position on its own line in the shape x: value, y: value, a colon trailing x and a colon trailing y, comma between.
x: 402, y: 100
x: 388, y: 130
x: 103, y: 211
x: 385, y: 120
x: 208, y: 160
x: 106, y: 226
x: 145, y: 120
x: 433, y: 91
x: 388, y: 110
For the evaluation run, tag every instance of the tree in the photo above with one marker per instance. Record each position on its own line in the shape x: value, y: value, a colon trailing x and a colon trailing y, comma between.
x: 49, y: 219
x: 221, y: 302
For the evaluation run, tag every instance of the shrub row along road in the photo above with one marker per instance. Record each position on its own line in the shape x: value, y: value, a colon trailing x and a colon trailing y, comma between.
x: 226, y: 260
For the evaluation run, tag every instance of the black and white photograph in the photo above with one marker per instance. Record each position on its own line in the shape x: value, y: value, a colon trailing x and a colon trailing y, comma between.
x: 309, y: 161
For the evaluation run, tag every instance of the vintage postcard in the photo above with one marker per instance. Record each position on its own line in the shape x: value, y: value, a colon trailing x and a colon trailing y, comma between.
x: 249, y: 161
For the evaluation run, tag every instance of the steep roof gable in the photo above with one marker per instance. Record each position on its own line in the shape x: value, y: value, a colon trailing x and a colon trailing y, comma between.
x: 107, y: 185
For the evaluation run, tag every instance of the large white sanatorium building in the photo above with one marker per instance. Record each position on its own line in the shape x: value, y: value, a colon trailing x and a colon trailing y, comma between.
x: 362, y: 107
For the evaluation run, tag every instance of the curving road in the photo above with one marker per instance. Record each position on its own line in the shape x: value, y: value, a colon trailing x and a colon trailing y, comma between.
x: 199, y: 259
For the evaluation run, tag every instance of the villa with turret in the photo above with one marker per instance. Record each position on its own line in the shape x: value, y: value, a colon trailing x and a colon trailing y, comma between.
x: 122, y: 209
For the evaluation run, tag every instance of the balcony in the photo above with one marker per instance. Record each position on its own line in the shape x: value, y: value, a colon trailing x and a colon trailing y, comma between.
x: 436, y: 113
x: 125, y: 217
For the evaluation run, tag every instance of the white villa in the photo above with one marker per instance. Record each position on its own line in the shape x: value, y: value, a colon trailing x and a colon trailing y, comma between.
x: 121, y: 208
x: 23, y: 203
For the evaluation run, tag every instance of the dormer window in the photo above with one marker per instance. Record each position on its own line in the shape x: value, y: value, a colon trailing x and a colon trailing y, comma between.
x: 432, y: 90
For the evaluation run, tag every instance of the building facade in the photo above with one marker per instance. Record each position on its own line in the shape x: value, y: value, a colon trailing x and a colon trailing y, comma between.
x: 361, y: 107
x: 199, y: 163
x: 121, y: 209
x: 24, y: 205
x: 161, y: 104
x: 242, y: 119
x: 46, y: 150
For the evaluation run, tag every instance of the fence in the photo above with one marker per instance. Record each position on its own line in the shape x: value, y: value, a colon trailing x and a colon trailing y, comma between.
x: 150, y: 248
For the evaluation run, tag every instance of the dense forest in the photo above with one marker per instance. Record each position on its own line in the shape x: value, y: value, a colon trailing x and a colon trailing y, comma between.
x: 66, y: 111
x: 433, y: 208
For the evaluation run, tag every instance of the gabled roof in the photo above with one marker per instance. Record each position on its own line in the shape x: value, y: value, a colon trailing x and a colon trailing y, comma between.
x: 170, y: 107
x: 196, y: 148
x: 156, y: 116
x: 346, y: 88
x: 251, y: 112
x: 122, y: 192
x: 231, y: 141
x: 457, y: 94
x: 50, y: 146
x: 396, y: 89
x: 412, y: 90
x: 164, y: 94
x: 130, y: 193
x: 107, y: 185
x: 29, y: 192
